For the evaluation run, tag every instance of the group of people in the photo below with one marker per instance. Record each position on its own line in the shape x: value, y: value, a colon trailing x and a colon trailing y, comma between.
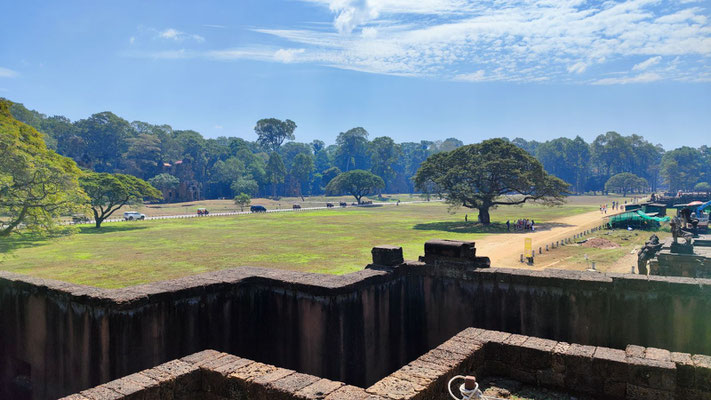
x: 604, y: 207
x: 615, y: 206
x: 524, y: 224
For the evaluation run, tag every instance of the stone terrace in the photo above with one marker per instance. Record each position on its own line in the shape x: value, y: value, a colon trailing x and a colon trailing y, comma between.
x: 600, y: 372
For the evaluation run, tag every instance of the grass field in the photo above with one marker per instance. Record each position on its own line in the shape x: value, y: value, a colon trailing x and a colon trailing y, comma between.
x: 215, y: 206
x: 330, y: 241
x: 618, y: 259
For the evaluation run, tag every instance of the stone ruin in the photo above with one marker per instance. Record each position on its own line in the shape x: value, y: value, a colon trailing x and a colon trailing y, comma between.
x: 395, y: 330
x: 672, y: 258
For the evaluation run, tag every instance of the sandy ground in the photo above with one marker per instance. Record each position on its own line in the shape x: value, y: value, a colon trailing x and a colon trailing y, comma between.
x: 504, y: 249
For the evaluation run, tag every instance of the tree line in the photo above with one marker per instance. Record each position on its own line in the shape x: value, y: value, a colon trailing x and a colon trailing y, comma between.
x: 185, y: 166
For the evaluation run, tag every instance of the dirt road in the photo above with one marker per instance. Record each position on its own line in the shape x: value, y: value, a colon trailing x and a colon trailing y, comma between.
x: 504, y: 249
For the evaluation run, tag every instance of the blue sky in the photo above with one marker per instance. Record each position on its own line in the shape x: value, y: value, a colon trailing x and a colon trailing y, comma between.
x: 412, y: 70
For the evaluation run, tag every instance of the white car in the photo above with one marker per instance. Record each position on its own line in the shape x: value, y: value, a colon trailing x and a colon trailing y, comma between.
x: 131, y: 215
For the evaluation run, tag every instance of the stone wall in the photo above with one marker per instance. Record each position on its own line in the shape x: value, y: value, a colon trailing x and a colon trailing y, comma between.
x: 60, y: 338
x: 600, y: 372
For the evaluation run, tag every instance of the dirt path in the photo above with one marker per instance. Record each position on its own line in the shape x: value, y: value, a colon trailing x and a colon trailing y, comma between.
x: 504, y: 249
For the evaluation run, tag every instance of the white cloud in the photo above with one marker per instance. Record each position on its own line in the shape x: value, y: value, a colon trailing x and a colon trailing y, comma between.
x: 647, y: 63
x: 641, y: 78
x: 477, y: 76
x: 578, y: 68
x: 287, y: 55
x: 503, y: 40
x: 132, y: 40
x: 7, y: 73
x: 369, y: 32
x: 218, y: 127
x: 178, y: 36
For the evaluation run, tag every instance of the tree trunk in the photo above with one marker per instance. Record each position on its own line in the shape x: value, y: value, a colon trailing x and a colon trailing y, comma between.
x: 6, y: 231
x: 97, y: 220
x: 484, y: 217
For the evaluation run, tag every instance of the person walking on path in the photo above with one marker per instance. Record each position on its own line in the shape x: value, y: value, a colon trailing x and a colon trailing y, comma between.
x: 508, y: 225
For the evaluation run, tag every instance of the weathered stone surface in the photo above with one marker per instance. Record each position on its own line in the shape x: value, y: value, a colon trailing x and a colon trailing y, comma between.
x: 251, y: 371
x: 702, y: 364
x: 645, y: 393
x: 635, y: 351
x: 394, y: 388
x: 387, y: 255
x: 536, y: 353
x: 76, y: 396
x: 685, y: 370
x: 651, y: 373
x: 272, y: 376
x: 203, y: 357
x: 658, y: 354
x: 349, y: 392
x: 319, y: 389
x: 293, y: 383
x: 101, y: 393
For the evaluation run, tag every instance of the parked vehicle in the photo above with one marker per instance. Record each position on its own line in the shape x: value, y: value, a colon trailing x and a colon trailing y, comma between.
x: 257, y: 209
x: 202, y: 211
x: 329, y: 205
x: 133, y: 215
x: 296, y: 207
x: 343, y: 204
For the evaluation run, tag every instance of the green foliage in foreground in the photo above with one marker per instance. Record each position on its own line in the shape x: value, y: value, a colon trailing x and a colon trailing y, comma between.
x: 331, y: 241
x: 37, y: 185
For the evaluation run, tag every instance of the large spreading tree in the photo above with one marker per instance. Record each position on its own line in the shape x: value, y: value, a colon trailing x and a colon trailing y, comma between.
x: 357, y: 183
x: 36, y: 184
x: 488, y: 174
x: 625, y: 182
x: 109, y: 192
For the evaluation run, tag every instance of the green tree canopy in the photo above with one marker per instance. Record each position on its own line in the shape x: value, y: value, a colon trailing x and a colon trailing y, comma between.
x: 276, y: 171
x: 702, y: 187
x: 384, y: 153
x: 245, y: 185
x: 164, y: 182
x: 491, y: 173
x: 352, y: 151
x: 242, y: 200
x: 36, y: 184
x: 682, y: 168
x: 625, y: 182
x: 301, y: 168
x: 109, y: 192
x: 272, y: 132
x: 357, y: 183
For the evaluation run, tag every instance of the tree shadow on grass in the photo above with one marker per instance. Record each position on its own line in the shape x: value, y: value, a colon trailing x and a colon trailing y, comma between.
x: 475, y: 227
x: 26, y: 240
x: 92, y: 230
